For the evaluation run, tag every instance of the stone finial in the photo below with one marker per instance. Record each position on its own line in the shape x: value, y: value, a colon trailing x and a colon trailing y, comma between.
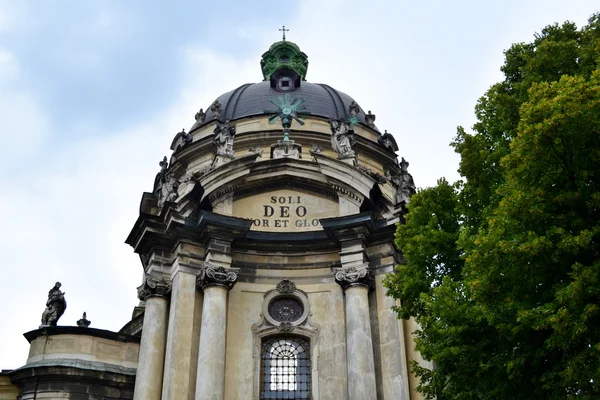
x: 370, y: 119
x: 55, y: 306
x: 84, y: 322
x: 342, y: 138
x: 224, y: 135
x: 353, y: 275
x: 200, y: 116
x: 256, y: 150
x: 216, y: 276
x: 153, y: 286
x: 403, y: 182
x: 215, y: 108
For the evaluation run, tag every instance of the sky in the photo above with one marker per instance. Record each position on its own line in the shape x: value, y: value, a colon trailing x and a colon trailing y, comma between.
x: 92, y: 93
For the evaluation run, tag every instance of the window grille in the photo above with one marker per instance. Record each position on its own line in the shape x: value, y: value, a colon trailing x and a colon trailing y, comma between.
x: 285, y: 368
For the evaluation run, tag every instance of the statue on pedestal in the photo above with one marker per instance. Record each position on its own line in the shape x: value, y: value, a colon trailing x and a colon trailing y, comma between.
x: 55, y: 306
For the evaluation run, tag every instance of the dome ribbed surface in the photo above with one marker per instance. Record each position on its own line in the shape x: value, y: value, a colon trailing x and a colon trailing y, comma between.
x: 253, y: 99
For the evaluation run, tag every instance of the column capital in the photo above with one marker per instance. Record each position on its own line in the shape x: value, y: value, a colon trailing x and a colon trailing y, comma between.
x: 356, y: 275
x: 154, y: 286
x: 211, y: 275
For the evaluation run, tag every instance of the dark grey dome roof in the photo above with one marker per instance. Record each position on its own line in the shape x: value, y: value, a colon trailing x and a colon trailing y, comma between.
x: 253, y: 99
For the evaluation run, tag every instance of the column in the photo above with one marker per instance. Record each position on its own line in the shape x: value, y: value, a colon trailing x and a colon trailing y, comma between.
x: 176, y: 378
x: 149, y: 375
x: 355, y: 281
x: 216, y: 283
x: 394, y: 371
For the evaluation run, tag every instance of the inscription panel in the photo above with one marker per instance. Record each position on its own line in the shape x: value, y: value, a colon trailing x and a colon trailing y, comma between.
x: 285, y: 210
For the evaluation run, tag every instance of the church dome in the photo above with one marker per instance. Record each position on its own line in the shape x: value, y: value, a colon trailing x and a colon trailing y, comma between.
x: 284, y: 67
x: 253, y: 100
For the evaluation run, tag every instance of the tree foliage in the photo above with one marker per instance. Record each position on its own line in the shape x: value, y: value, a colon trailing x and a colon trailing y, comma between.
x: 503, y: 268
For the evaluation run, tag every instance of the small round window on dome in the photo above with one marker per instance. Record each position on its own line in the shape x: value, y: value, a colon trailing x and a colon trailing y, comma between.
x: 284, y: 59
x: 285, y: 84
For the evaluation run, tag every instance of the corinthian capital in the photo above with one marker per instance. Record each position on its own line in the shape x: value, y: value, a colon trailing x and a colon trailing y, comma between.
x: 153, y: 286
x: 354, y: 275
x: 211, y: 275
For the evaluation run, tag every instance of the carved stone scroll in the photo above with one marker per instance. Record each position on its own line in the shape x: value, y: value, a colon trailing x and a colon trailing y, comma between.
x: 153, y: 286
x: 354, y: 275
x: 216, y: 276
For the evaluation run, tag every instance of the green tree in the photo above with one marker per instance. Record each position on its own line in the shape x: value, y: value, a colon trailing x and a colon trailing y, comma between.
x: 503, y: 269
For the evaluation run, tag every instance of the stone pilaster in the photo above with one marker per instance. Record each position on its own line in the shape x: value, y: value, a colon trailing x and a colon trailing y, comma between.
x: 216, y: 283
x: 149, y: 375
x: 356, y: 282
x: 394, y: 371
x: 176, y: 379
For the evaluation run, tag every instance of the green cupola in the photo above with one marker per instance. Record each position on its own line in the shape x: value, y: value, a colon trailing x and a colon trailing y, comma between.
x: 284, y: 56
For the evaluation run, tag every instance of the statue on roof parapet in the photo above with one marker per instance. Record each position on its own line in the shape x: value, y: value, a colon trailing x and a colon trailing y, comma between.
x: 55, y: 306
x: 403, y: 182
x: 342, y: 138
x: 84, y: 322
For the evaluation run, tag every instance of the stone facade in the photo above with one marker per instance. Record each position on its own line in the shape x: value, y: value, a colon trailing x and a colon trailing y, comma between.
x: 248, y: 237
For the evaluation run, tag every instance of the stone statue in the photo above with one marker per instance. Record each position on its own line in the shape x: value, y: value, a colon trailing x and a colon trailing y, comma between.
x: 185, y: 137
x: 216, y: 110
x: 84, y: 322
x: 404, y: 183
x: 167, y: 190
x: 354, y: 108
x: 370, y: 119
x: 342, y: 138
x: 55, y: 306
x: 164, y: 164
x: 200, y: 116
x: 223, y: 139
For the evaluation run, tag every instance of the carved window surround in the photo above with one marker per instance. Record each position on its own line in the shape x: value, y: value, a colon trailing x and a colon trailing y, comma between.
x: 286, y: 322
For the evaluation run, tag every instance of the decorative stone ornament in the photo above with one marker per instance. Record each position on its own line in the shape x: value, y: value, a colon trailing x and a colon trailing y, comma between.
x: 200, y: 116
x: 286, y: 286
x: 153, y: 286
x: 403, y: 183
x: 215, y: 107
x: 211, y: 275
x: 55, y: 306
x: 342, y: 138
x: 388, y: 141
x: 84, y: 322
x: 354, y: 109
x: 370, y: 119
x: 353, y: 275
x: 285, y: 308
x: 286, y: 149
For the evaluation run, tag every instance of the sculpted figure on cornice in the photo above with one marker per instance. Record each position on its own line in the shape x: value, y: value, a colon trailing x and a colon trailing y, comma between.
x: 342, y: 138
x: 370, y: 119
x: 403, y: 182
x: 224, y: 135
x: 216, y: 110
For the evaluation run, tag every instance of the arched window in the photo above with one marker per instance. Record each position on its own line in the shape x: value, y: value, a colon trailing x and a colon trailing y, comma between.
x: 285, y: 368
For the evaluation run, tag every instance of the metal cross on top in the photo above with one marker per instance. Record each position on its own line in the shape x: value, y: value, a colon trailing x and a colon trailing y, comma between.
x: 284, y: 31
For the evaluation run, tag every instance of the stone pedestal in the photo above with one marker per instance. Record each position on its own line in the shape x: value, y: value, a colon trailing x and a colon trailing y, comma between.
x: 149, y: 375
